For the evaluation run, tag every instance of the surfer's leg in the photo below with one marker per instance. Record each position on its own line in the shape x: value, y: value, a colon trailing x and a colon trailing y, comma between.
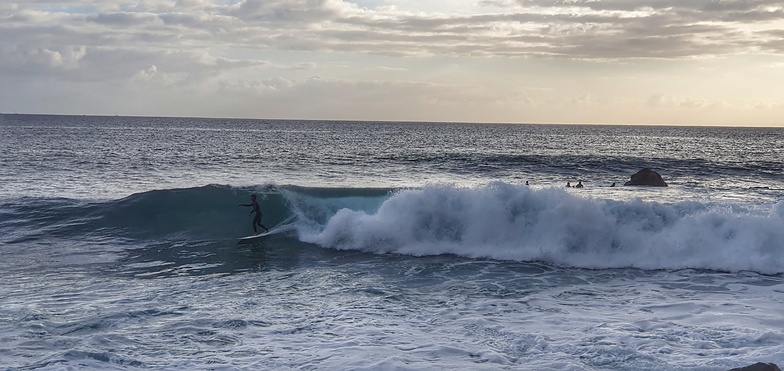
x: 257, y: 221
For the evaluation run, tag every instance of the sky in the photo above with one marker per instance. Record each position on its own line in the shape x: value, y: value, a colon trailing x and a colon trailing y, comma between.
x: 655, y: 62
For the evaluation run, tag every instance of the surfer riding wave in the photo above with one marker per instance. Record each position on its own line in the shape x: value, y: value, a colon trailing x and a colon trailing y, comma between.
x: 257, y: 210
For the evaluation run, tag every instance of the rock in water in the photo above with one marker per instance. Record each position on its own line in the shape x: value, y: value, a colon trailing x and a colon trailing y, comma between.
x: 646, y: 177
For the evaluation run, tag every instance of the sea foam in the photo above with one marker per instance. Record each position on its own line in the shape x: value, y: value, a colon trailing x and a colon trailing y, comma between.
x: 509, y: 222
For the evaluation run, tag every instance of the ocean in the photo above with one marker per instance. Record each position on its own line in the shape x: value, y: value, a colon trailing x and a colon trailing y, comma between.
x: 402, y: 246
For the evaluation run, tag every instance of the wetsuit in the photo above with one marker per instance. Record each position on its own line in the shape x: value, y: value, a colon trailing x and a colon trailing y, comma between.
x: 257, y: 218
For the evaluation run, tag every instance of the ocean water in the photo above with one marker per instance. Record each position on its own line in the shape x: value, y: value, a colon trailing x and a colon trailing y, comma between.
x: 395, y: 246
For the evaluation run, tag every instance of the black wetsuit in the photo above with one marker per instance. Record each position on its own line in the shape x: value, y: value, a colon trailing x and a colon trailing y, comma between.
x: 257, y: 218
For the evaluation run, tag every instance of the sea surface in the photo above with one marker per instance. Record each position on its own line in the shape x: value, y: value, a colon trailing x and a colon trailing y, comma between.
x: 403, y: 246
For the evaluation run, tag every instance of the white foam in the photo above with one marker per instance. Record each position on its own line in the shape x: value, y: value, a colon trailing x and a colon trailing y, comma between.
x: 509, y: 222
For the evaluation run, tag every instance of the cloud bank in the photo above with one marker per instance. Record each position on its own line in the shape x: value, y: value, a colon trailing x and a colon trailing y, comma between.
x: 273, y: 48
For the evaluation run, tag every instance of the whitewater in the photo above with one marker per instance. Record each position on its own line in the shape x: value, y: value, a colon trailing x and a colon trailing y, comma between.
x: 396, y: 245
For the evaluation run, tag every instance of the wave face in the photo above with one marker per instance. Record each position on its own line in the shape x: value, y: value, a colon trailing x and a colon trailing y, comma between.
x: 209, y: 212
x: 496, y: 221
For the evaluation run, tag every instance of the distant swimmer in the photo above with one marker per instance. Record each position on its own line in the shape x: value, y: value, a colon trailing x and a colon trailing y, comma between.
x: 568, y: 184
x: 257, y: 210
x: 579, y: 184
x: 526, y: 182
x: 612, y: 185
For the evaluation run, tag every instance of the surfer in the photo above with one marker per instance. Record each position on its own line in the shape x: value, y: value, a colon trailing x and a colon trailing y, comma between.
x: 257, y: 210
x: 579, y: 184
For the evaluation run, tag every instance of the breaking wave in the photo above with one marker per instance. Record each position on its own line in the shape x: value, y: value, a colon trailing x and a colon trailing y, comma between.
x: 496, y: 221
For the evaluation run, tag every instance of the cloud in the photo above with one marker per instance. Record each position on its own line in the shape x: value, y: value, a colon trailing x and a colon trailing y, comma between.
x: 681, y: 102
x: 123, y: 19
x: 147, y: 74
x: 389, y: 69
x: 349, y: 57
x: 611, y: 29
x: 291, y: 11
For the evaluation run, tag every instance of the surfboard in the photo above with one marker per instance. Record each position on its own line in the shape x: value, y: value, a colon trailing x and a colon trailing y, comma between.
x: 278, y: 228
x: 254, y: 237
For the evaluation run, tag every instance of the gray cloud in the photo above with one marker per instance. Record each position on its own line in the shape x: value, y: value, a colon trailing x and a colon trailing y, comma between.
x: 614, y: 29
x: 288, y: 11
x: 251, y: 49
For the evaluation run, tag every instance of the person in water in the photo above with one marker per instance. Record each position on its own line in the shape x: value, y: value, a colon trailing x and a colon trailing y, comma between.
x: 257, y: 210
x: 579, y: 184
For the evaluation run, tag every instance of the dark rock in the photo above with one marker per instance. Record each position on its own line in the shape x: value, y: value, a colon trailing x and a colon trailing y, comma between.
x: 759, y: 366
x: 646, y: 177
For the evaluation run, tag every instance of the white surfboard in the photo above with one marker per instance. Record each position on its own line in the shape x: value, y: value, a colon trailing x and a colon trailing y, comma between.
x: 254, y: 237
x: 280, y: 227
